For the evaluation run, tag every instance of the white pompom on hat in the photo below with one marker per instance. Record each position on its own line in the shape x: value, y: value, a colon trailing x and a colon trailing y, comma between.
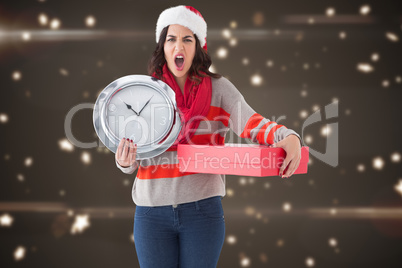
x: 186, y: 16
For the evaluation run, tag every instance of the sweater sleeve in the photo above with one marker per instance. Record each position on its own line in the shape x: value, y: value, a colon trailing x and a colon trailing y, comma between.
x: 246, y: 122
x: 130, y: 169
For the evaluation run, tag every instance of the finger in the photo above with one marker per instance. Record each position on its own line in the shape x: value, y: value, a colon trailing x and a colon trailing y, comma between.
x: 133, y: 151
x: 283, y: 166
x: 291, y: 168
x: 296, y: 166
x: 125, y: 150
x: 119, y: 148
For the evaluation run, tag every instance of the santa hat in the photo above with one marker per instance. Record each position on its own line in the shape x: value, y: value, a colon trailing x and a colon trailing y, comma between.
x: 186, y: 16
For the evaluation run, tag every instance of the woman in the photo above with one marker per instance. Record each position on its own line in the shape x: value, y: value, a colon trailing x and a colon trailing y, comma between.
x: 179, y: 220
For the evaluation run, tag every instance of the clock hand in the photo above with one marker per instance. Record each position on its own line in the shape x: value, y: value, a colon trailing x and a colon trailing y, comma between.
x: 145, y: 105
x: 129, y: 107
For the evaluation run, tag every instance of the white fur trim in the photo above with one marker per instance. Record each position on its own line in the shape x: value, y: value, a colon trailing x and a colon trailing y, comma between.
x: 185, y: 17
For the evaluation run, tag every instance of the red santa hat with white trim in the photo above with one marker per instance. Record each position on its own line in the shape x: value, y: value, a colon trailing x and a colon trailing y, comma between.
x: 186, y: 16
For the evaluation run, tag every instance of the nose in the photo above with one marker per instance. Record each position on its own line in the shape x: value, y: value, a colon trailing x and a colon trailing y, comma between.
x: 179, y: 45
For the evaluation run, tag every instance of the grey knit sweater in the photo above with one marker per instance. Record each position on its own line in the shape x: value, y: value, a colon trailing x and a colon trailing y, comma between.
x: 159, y: 182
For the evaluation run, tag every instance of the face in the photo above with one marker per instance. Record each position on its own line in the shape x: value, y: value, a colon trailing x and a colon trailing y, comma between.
x: 179, y: 50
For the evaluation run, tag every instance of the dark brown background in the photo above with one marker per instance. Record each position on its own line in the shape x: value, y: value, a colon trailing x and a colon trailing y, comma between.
x: 369, y: 118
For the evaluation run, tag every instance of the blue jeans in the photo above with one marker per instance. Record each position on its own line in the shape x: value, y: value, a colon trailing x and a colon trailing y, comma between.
x: 190, y: 235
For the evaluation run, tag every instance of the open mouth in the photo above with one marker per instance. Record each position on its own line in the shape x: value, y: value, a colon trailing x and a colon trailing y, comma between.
x: 179, y: 60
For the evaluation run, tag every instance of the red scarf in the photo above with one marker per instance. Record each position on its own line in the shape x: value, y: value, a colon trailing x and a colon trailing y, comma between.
x: 194, y: 104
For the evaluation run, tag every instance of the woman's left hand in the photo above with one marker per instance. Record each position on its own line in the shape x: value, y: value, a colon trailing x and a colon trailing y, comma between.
x: 292, y: 147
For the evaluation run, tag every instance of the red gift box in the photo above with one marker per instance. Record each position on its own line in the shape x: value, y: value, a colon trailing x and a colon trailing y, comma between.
x: 236, y: 159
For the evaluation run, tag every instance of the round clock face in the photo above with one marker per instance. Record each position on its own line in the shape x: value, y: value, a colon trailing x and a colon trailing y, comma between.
x: 139, y: 113
x: 140, y: 108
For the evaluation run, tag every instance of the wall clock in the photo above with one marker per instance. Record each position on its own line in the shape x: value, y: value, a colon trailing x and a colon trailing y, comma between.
x: 141, y: 108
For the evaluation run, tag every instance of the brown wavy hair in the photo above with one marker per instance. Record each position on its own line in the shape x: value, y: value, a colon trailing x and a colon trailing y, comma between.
x: 199, y: 67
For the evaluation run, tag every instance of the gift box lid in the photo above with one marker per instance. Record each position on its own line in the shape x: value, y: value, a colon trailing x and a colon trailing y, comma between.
x: 235, y: 153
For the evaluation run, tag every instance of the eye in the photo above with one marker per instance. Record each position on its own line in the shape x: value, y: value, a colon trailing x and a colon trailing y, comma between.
x: 188, y: 40
x: 171, y: 39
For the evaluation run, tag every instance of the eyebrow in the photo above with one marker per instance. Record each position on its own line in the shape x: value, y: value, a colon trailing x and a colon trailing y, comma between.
x: 188, y: 36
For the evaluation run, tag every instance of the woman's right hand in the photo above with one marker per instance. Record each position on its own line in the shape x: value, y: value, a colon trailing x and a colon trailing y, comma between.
x: 126, y: 152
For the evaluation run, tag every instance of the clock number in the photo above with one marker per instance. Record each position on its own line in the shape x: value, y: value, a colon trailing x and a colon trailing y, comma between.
x: 164, y: 121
